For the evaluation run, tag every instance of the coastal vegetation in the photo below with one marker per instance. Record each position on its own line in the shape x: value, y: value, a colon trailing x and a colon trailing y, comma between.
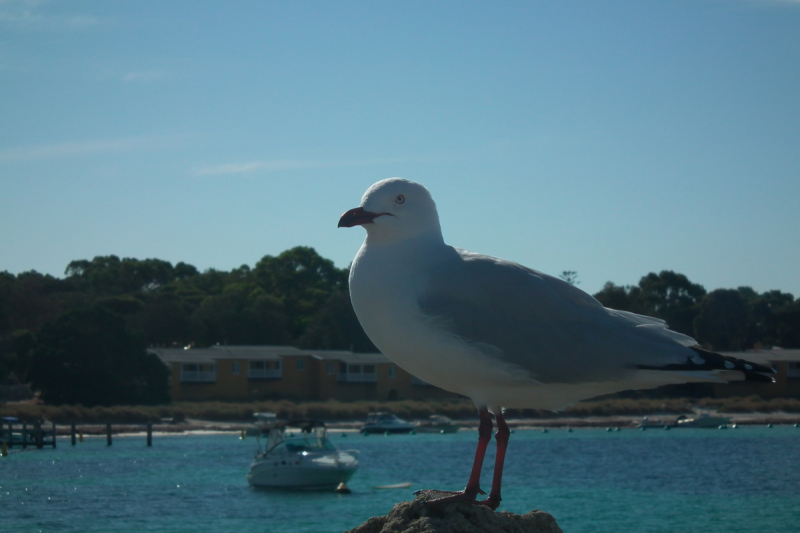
x: 333, y: 410
x: 83, y: 338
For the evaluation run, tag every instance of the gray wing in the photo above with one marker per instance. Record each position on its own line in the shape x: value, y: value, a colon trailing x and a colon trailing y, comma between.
x: 554, y: 331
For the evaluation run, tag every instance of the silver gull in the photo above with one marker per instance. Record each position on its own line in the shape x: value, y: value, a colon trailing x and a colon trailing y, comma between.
x: 500, y: 333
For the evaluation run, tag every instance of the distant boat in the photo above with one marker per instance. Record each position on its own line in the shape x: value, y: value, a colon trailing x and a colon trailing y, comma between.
x: 437, y: 424
x: 299, y: 455
x: 386, y: 423
x: 647, y: 423
x: 264, y: 421
x: 703, y: 420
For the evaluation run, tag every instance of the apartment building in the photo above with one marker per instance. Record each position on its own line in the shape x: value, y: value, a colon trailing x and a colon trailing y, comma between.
x: 246, y: 373
x: 786, y: 363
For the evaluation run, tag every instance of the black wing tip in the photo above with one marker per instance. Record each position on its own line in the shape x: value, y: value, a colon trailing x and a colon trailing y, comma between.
x: 707, y: 360
x: 758, y: 378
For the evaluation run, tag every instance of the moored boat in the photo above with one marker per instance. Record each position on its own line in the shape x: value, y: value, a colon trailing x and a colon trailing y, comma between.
x: 299, y: 455
x: 386, y: 423
x: 703, y: 420
x: 437, y: 424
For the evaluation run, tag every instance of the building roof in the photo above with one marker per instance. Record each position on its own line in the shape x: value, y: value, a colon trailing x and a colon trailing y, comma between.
x: 766, y: 356
x: 261, y: 353
x: 219, y: 353
x: 275, y: 353
x: 347, y: 356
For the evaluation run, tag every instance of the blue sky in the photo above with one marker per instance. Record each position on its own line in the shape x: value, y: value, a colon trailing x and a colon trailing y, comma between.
x: 609, y: 138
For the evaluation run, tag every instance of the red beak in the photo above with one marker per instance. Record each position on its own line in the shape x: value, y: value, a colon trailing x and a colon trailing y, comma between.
x: 356, y: 217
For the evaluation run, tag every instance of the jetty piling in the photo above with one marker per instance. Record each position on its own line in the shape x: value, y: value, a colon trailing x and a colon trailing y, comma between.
x: 19, y: 433
x: 13, y: 432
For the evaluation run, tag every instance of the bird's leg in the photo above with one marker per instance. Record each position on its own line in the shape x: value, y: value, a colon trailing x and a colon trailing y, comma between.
x: 473, y: 484
x: 493, y: 501
x: 484, y: 436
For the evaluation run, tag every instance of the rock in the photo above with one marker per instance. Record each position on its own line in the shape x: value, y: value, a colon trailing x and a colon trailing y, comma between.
x: 416, y: 517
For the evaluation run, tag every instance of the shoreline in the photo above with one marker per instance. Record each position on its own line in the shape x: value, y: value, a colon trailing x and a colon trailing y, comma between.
x: 200, y: 427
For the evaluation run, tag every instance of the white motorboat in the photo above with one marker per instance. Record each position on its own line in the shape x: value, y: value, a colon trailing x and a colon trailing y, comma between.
x: 437, y: 424
x: 299, y: 455
x: 703, y: 420
x: 386, y: 423
x: 647, y: 423
x: 264, y: 421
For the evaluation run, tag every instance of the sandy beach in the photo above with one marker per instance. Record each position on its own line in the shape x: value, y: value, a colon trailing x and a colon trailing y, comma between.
x: 195, y: 426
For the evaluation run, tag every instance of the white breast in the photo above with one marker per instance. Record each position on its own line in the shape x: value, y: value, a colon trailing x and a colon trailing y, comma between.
x: 386, y: 301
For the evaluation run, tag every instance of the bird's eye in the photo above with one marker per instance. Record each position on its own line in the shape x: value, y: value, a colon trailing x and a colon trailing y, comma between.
x: 400, y: 199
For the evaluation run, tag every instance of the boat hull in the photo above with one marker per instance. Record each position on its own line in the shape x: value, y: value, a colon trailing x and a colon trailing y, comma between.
x: 382, y: 430
x: 711, y: 422
x: 437, y: 429
x: 303, y: 476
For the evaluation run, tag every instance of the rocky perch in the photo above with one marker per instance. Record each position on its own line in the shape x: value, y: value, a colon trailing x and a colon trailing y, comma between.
x: 416, y: 517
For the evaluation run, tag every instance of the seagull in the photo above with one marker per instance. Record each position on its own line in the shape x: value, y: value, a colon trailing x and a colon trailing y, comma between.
x: 501, y: 334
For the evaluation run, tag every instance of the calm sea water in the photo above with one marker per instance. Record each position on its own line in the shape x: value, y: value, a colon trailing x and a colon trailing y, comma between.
x: 735, y: 480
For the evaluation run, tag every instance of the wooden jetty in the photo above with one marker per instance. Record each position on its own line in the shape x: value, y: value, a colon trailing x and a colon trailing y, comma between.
x: 14, y: 433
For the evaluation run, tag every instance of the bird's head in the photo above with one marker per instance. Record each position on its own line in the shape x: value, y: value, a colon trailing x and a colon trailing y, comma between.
x: 395, y: 209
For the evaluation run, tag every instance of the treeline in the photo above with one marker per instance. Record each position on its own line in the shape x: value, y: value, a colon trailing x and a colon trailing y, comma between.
x: 83, y: 338
x: 723, y: 319
x: 62, y: 335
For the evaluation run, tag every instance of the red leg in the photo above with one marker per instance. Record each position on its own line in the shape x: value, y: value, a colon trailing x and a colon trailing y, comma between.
x: 484, y: 436
x: 502, y: 435
x: 473, y: 484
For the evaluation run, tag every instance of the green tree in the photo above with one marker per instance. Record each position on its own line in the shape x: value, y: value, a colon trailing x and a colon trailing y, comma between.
x: 722, y: 320
x: 19, y: 354
x: 570, y: 276
x: 618, y: 297
x: 766, y: 313
x: 32, y: 299
x: 89, y: 356
x: 166, y: 319
x: 111, y: 275
x: 666, y: 295
x: 336, y: 327
x: 787, y: 325
x: 242, y: 314
x: 671, y: 297
x: 7, y: 282
x: 302, y: 280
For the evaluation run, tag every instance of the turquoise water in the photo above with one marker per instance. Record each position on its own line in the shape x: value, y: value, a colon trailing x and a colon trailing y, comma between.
x: 735, y: 480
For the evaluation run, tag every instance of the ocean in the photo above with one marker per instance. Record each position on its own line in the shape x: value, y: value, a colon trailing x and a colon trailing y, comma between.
x: 688, y: 480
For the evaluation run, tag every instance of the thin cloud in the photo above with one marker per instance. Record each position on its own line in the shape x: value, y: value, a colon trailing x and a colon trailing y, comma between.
x: 73, y: 149
x: 773, y: 2
x: 284, y: 164
x: 142, y: 76
x: 28, y: 14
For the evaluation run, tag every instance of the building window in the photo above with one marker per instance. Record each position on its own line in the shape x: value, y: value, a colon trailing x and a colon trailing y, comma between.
x: 392, y: 371
x: 343, y: 368
x: 357, y: 374
x: 264, y: 370
x: 198, y: 373
x: 329, y: 368
x: 235, y: 368
x: 301, y: 364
